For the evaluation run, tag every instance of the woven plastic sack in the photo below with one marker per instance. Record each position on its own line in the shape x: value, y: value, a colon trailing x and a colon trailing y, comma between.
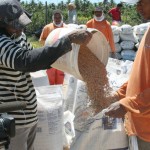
x: 97, y: 137
x: 129, y: 37
x: 118, y: 47
x: 141, y: 29
x: 115, y: 29
x: 116, y: 38
x: 69, y: 62
x: 127, y: 44
x: 139, y: 37
x: 126, y: 29
x: 128, y: 54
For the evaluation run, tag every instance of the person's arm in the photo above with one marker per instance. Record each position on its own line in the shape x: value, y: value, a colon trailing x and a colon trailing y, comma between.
x: 25, y: 60
x: 138, y: 104
x: 44, y: 35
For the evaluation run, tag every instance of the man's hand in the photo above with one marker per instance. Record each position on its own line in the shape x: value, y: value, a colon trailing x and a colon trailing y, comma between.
x: 115, y: 110
x: 80, y: 36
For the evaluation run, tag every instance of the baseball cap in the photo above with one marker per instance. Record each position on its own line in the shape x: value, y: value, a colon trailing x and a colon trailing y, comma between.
x: 12, y: 14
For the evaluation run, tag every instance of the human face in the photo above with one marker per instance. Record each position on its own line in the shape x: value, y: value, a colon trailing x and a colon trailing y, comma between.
x: 57, y: 18
x: 98, y: 13
x: 143, y: 7
x: 14, y: 32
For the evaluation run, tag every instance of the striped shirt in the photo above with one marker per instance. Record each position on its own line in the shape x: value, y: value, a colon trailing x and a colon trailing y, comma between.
x: 16, y: 85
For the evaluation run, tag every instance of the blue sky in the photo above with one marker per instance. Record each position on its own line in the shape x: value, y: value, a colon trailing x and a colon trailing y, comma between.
x: 57, y: 1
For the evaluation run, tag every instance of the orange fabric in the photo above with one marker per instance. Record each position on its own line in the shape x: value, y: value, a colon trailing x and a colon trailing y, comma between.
x: 137, y: 93
x: 55, y: 76
x: 46, y: 30
x: 104, y: 27
x: 122, y: 91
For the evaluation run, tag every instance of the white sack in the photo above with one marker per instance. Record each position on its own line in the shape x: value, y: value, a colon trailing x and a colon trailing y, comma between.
x: 116, y: 38
x: 127, y: 45
x: 126, y: 29
x: 128, y: 37
x: 69, y: 96
x: 141, y: 29
x: 115, y: 30
x: 118, y: 56
x: 120, y: 70
x: 139, y: 37
x: 128, y: 54
x: 50, y: 114
x: 98, y: 138
x: 117, y: 47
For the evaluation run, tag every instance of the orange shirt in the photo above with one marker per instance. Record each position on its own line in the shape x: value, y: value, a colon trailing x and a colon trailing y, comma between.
x: 105, y: 28
x: 46, y: 30
x: 136, y: 93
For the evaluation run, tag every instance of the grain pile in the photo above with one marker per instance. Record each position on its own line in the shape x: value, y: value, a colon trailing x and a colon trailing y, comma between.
x: 95, y: 76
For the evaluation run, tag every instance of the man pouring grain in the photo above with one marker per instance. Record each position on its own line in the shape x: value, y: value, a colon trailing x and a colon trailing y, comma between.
x: 17, y: 60
x: 135, y: 94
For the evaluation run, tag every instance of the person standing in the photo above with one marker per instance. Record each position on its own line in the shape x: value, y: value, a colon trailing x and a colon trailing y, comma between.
x: 115, y: 13
x: 57, y: 19
x: 100, y: 23
x: 17, y: 60
x: 134, y: 95
x: 72, y: 13
x: 55, y: 76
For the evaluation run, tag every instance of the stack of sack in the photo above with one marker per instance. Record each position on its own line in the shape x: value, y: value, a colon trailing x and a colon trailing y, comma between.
x: 116, y: 32
x: 127, y: 40
x: 139, y: 30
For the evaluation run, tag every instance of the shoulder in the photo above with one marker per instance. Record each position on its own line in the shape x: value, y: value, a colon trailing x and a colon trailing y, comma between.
x: 90, y: 21
x: 48, y: 26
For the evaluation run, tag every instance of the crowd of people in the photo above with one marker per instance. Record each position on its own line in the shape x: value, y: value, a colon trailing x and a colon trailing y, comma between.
x: 18, y: 58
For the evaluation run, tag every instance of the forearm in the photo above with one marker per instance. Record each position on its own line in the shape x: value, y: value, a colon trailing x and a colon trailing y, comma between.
x: 41, y: 58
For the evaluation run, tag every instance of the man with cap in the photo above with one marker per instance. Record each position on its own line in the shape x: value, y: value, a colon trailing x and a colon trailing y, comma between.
x: 55, y: 76
x: 17, y: 60
x: 72, y: 13
x: 134, y: 96
x: 100, y: 23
